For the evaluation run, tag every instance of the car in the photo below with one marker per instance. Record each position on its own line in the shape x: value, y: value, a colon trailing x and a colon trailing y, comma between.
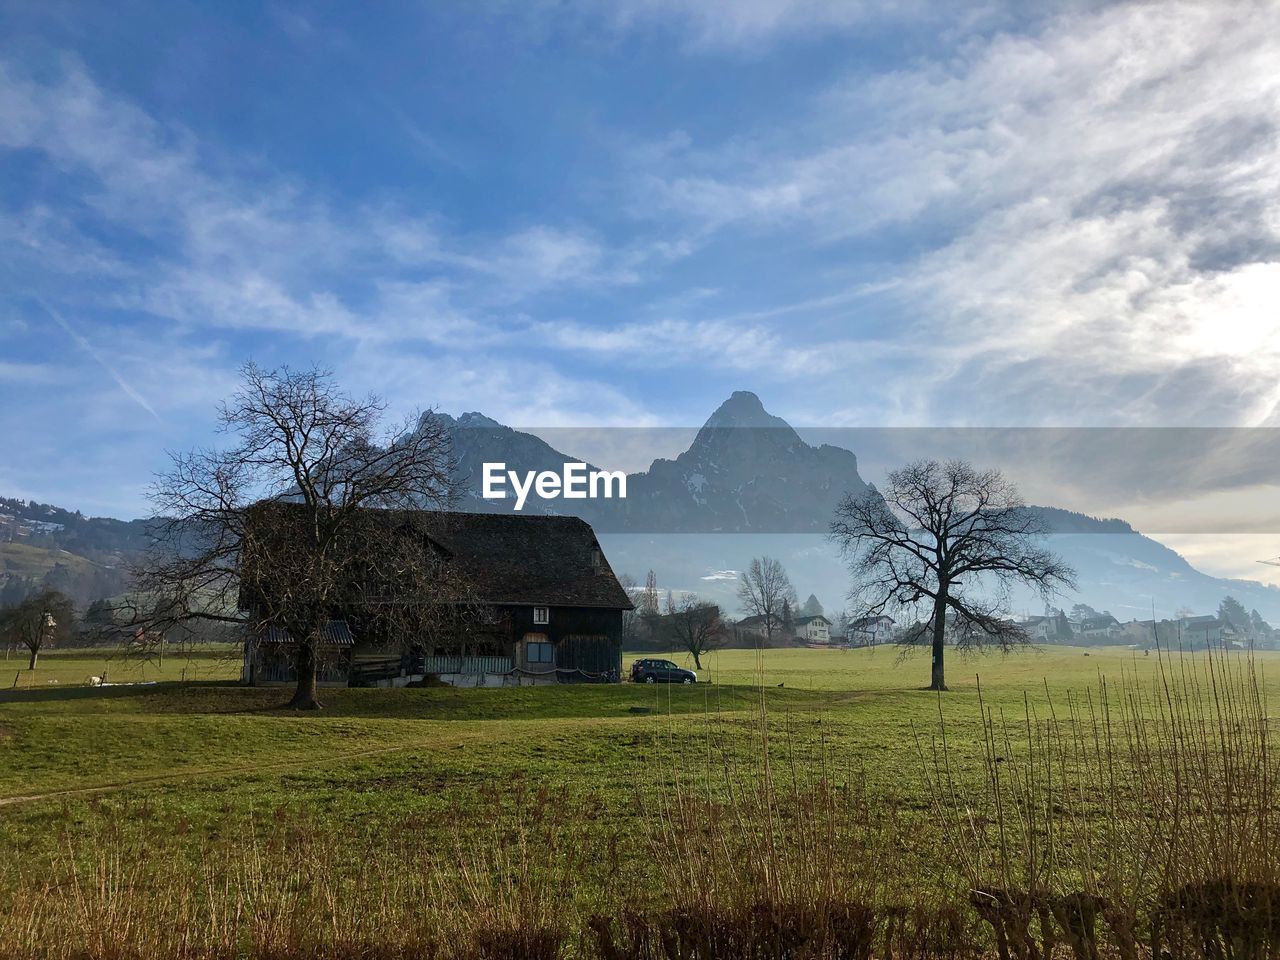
x: 651, y: 670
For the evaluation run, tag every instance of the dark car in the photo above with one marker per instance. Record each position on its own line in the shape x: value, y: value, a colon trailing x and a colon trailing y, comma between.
x: 660, y: 671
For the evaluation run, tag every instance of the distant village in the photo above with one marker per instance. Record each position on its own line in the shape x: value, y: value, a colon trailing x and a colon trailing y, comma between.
x: 1231, y: 626
x: 558, y: 612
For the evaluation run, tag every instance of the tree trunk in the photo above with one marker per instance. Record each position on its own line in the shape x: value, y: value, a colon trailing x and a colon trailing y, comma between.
x: 304, y: 695
x: 35, y: 655
x: 697, y: 660
x: 937, y: 680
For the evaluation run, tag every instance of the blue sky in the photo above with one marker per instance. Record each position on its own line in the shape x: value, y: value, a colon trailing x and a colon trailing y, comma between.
x: 580, y: 214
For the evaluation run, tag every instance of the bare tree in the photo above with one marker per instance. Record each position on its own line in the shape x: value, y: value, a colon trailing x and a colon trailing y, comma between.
x: 310, y: 513
x: 696, y: 625
x: 936, y: 536
x: 38, y: 621
x: 649, y: 598
x: 765, y: 591
x: 630, y: 618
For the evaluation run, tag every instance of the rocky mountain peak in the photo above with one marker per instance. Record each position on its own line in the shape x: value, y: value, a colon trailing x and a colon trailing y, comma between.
x: 471, y: 421
x: 744, y: 409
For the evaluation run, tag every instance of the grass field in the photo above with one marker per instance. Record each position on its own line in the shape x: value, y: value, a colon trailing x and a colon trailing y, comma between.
x: 24, y: 560
x: 192, y: 770
x: 56, y: 734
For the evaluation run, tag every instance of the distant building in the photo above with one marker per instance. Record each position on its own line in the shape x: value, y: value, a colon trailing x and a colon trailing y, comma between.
x: 1053, y: 628
x: 754, y: 630
x: 1103, y: 627
x: 871, y: 631
x: 1211, y: 630
x: 815, y: 629
x: 1185, y: 633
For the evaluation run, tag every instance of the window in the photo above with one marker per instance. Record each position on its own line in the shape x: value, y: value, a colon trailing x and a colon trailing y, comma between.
x: 540, y: 652
x: 541, y: 615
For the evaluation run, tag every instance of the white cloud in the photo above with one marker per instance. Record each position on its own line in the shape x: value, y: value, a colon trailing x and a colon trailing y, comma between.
x: 519, y: 391
x: 239, y: 247
x: 738, y: 24
x: 29, y: 374
x: 718, y: 344
x: 1102, y: 197
x: 722, y: 575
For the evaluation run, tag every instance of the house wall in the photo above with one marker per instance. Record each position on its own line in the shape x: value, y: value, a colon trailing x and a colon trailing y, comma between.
x: 565, y: 622
x: 586, y: 639
x: 817, y: 631
x: 271, y: 664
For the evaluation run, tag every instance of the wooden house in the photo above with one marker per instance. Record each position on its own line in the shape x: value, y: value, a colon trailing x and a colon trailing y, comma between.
x: 543, y: 607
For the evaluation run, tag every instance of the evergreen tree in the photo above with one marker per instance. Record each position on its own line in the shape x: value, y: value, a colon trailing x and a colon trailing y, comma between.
x: 100, y: 614
x: 1082, y: 611
x: 1263, y: 633
x: 1233, y: 612
x: 812, y: 608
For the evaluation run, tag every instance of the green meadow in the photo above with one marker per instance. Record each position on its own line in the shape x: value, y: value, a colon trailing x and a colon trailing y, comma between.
x: 172, y: 731
x: 178, y: 767
x: 208, y: 748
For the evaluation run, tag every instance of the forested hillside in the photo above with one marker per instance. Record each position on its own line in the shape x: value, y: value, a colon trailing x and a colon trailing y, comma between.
x: 85, y: 557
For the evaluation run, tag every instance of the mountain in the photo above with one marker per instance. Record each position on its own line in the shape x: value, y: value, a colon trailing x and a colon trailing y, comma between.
x: 749, y: 485
x: 746, y: 471
x: 478, y: 440
x: 84, y: 557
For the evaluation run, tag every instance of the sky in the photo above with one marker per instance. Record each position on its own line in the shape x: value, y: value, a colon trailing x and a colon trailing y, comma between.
x: 585, y: 214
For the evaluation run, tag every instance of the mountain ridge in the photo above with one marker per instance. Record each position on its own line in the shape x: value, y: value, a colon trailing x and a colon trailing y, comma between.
x: 748, y: 484
x: 748, y: 473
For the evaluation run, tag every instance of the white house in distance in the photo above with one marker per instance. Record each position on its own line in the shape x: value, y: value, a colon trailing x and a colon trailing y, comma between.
x: 815, y: 629
x: 1104, y: 626
x: 1051, y: 628
x: 870, y: 631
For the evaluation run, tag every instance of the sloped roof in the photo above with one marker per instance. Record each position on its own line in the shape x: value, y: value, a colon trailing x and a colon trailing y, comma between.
x: 1207, y: 622
x: 1099, y: 623
x: 536, y: 559
x: 506, y: 559
x: 863, y: 622
x: 336, y: 634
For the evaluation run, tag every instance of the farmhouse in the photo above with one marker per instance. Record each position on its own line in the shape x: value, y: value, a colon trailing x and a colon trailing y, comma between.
x: 543, y: 606
x: 815, y: 629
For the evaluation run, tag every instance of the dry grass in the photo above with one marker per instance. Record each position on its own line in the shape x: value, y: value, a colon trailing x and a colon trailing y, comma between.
x: 302, y: 894
x: 1142, y: 819
x: 1138, y: 820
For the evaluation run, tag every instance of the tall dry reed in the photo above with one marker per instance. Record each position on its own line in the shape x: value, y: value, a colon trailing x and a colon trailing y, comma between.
x: 1136, y: 819
x: 1140, y: 817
